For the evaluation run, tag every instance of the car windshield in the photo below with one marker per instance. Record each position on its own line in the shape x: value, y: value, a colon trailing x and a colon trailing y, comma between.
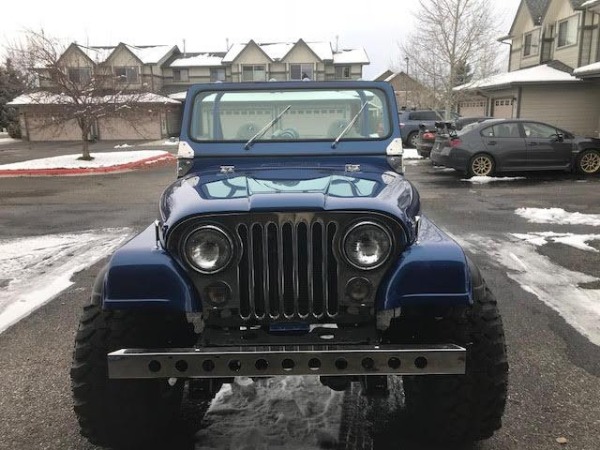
x: 290, y: 115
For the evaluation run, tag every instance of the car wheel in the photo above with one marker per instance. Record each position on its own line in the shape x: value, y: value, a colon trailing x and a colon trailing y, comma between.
x: 413, y: 139
x: 481, y: 165
x: 588, y: 162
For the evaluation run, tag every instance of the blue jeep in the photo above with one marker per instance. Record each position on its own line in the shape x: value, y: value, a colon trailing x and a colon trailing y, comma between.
x: 290, y: 244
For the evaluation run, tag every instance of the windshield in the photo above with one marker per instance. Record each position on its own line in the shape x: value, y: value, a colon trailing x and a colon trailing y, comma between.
x: 290, y: 115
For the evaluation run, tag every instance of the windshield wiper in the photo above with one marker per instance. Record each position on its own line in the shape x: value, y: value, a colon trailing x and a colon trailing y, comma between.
x: 350, y: 125
x: 266, y: 128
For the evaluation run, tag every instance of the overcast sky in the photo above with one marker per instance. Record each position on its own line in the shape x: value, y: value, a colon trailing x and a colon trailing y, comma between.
x: 205, y: 25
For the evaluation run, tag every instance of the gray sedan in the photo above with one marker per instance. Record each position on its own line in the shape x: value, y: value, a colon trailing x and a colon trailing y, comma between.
x: 511, y: 145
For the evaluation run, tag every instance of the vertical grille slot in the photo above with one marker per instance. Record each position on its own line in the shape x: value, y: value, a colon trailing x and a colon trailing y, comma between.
x: 317, y: 266
x: 272, y: 270
x: 302, y: 246
x: 288, y: 270
x: 332, y: 291
x: 258, y: 270
x: 243, y: 272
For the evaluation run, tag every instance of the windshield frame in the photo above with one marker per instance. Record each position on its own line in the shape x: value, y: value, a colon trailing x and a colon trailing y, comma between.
x: 285, y: 86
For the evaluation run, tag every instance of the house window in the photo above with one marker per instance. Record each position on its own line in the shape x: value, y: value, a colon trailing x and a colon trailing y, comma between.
x: 567, y: 32
x: 181, y: 75
x: 217, y: 75
x: 254, y: 73
x: 79, y: 75
x: 531, y: 43
x: 301, y: 71
x: 126, y: 74
x: 342, y: 72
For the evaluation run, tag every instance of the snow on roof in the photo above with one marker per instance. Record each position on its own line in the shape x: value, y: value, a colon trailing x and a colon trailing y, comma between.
x: 590, y: 3
x: 537, y: 74
x: 150, y: 54
x: 591, y: 69
x: 178, y: 95
x: 354, y: 56
x: 201, y: 60
x: 96, y: 54
x: 47, y: 98
x: 233, y: 52
x: 322, y: 50
x: 277, y: 51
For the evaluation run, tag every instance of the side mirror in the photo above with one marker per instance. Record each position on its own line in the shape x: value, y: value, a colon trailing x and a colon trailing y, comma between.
x: 559, y: 137
x: 422, y: 127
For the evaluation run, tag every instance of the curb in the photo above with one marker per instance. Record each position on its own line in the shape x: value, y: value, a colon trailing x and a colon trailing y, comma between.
x: 152, y: 161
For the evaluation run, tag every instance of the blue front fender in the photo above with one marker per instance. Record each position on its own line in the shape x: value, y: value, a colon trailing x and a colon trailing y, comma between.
x: 142, y: 275
x: 434, y: 271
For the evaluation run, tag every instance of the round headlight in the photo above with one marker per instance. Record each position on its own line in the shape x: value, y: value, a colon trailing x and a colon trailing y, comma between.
x: 367, y: 245
x: 208, y: 249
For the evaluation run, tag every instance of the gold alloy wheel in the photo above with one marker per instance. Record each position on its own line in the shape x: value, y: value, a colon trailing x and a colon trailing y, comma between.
x: 482, y: 166
x: 590, y: 162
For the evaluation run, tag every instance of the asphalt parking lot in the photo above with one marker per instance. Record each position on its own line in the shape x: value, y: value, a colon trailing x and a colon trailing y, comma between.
x: 554, y: 366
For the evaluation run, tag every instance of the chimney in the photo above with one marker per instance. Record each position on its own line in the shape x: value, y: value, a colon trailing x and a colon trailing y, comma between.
x: 337, y: 43
x: 184, y: 48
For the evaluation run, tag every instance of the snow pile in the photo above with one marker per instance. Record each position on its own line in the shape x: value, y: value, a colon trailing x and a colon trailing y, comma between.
x: 35, y: 269
x: 579, y: 241
x: 122, y: 146
x: 558, y: 216
x: 486, y: 180
x: 283, y: 412
x: 554, y: 285
x: 411, y: 153
x: 100, y: 160
x: 172, y: 141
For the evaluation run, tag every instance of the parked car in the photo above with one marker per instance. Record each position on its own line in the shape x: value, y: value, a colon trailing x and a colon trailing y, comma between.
x: 290, y: 244
x: 410, y: 120
x: 510, y: 145
x: 427, y: 134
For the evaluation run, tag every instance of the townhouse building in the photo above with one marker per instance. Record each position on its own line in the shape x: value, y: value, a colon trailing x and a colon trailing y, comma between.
x: 554, y: 68
x: 167, y: 72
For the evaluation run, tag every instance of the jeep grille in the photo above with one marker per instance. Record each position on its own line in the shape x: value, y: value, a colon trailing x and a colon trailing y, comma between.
x: 288, y: 270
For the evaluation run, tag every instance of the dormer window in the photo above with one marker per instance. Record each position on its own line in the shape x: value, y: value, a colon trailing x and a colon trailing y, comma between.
x: 301, y: 71
x: 79, y: 75
x: 126, y: 74
x: 567, y: 32
x: 531, y: 43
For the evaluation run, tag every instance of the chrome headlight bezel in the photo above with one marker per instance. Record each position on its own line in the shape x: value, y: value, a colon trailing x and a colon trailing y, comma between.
x: 185, y: 245
x: 385, y: 258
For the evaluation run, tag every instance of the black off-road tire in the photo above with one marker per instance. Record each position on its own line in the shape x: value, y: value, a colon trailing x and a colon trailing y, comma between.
x: 462, y: 408
x: 412, y: 139
x: 124, y: 413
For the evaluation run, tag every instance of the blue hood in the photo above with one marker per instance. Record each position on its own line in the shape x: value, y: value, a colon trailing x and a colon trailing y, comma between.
x: 263, y: 185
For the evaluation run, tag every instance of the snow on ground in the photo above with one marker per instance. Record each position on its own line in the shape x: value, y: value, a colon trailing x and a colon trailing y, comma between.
x: 272, y: 413
x: 411, y: 153
x: 71, y: 161
x: 172, y: 141
x: 579, y: 241
x: 122, y: 146
x: 486, y: 180
x: 554, y: 285
x: 558, y: 216
x: 33, y: 270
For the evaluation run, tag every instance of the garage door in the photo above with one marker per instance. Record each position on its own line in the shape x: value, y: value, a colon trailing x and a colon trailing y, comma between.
x: 472, y: 108
x: 41, y: 129
x: 503, y: 108
x: 145, y: 127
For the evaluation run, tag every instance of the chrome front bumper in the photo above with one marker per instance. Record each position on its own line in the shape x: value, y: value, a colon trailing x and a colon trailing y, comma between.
x: 225, y: 362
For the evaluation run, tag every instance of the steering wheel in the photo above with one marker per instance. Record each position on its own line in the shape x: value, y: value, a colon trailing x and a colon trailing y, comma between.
x: 287, y: 134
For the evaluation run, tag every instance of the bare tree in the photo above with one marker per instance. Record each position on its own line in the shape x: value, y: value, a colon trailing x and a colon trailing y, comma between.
x: 453, y: 43
x: 84, y: 93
